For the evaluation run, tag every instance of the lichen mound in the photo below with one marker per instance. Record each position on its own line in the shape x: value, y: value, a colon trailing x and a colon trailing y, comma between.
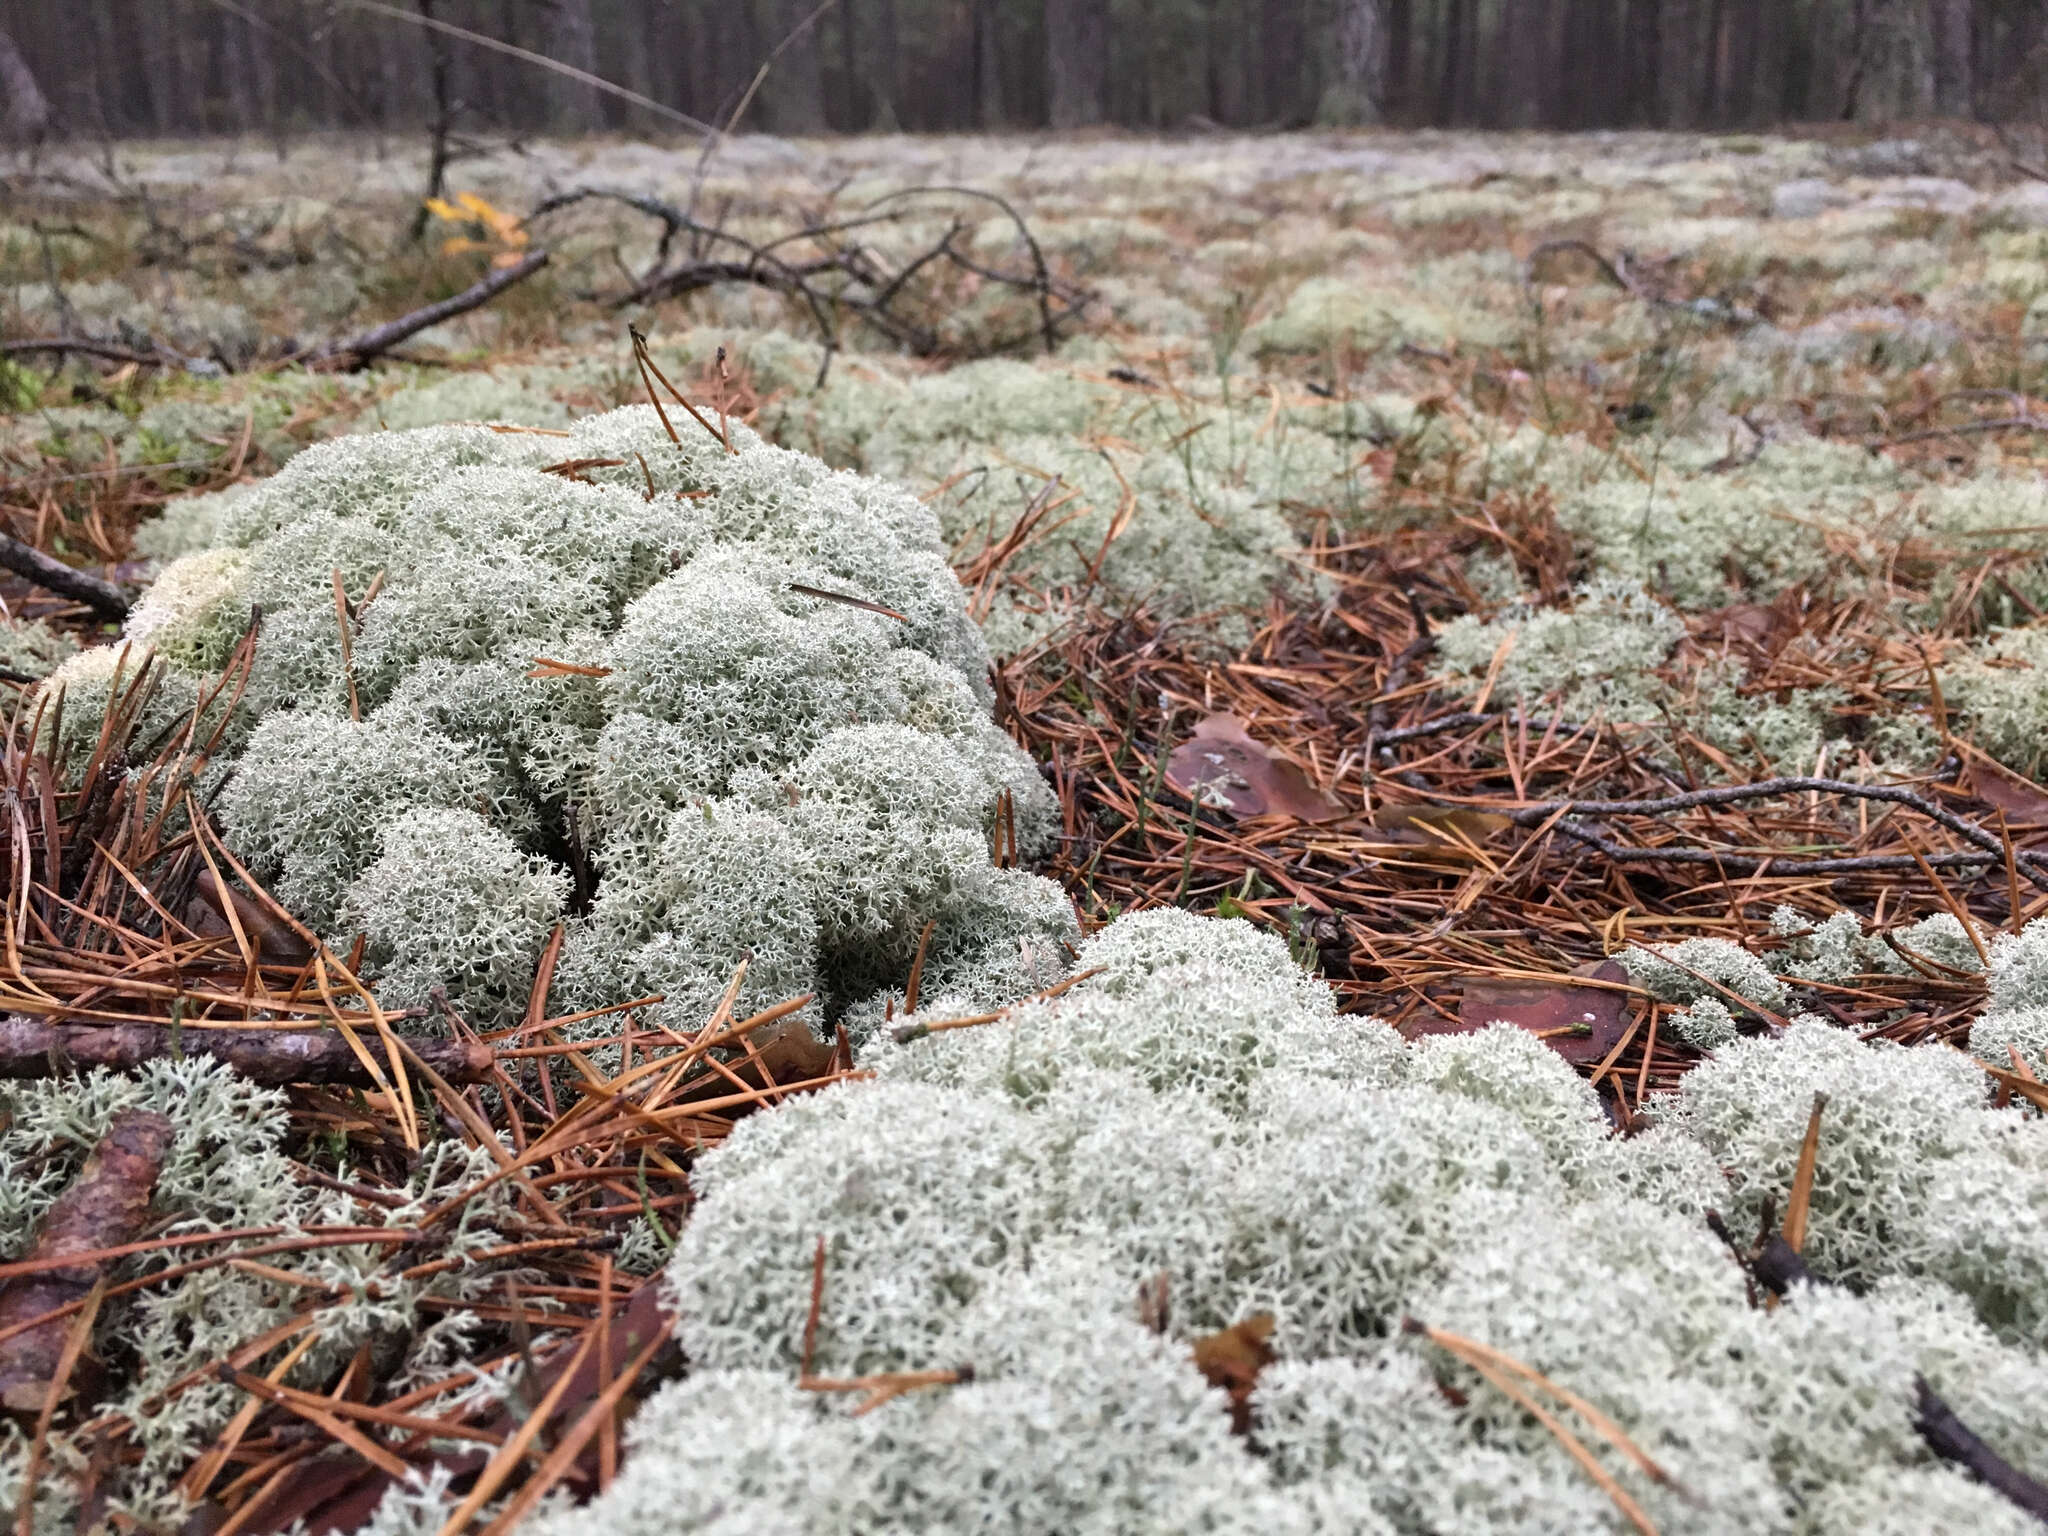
x: 996, y: 1196
x: 702, y: 706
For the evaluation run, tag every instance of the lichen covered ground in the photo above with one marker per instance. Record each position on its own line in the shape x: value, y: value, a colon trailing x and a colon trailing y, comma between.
x: 1667, y: 465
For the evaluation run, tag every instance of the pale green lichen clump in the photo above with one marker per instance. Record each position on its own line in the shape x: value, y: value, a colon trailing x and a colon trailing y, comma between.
x: 996, y: 1196
x: 553, y: 667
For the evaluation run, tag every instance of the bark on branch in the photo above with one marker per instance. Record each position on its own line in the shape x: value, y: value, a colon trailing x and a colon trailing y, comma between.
x: 103, y: 597
x: 105, y: 1207
x: 32, y: 1048
x: 355, y: 351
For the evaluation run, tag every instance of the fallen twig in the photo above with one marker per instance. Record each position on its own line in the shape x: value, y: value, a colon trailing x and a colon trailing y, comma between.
x: 354, y: 351
x: 1732, y: 794
x: 1773, y: 1262
x: 32, y: 1048
x: 85, y: 346
x: 102, y: 597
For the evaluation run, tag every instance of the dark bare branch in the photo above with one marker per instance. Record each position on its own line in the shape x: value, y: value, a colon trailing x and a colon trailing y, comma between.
x: 103, y: 597
x: 357, y: 350
x: 34, y: 1048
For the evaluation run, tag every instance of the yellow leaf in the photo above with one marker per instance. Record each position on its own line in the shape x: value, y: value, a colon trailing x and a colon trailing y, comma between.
x: 457, y: 244
x: 506, y: 259
x: 444, y: 210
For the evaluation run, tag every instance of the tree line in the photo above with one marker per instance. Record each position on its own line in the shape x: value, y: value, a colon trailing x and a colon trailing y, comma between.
x: 121, y: 68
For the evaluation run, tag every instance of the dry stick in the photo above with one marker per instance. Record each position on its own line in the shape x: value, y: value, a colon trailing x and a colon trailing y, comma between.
x: 906, y: 1033
x: 34, y: 1048
x: 851, y: 602
x: 1732, y: 794
x: 1801, y: 1203
x: 1775, y: 1264
x: 910, y: 988
x: 102, y: 597
x: 85, y: 346
x: 355, y: 351
x: 761, y: 76
x: 348, y: 658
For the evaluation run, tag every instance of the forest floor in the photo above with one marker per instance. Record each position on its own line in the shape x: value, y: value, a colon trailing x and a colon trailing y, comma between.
x: 1615, y: 540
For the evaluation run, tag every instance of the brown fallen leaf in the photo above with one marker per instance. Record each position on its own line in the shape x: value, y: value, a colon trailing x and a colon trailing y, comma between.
x: 2024, y: 802
x: 206, y: 915
x: 1582, y: 1024
x: 1222, y: 765
x: 1428, y: 824
x: 1232, y: 1360
x: 1758, y: 624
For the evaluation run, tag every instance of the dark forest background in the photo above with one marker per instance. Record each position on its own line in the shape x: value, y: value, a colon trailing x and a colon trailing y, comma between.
x: 134, y: 67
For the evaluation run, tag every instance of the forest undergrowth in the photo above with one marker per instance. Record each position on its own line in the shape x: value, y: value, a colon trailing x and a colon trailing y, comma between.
x: 561, y: 949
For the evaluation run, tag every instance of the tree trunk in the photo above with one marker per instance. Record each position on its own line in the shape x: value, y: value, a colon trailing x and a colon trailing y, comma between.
x: 988, y: 78
x: 1523, y: 69
x: 793, y: 95
x: 1453, y: 90
x: 1357, y: 89
x: 1954, y: 88
x: 572, y: 40
x: 1894, y: 75
x: 1640, y: 47
x: 28, y: 109
x: 1076, y: 48
x: 1281, y: 46
x: 882, y: 83
x: 1395, y: 93
x: 1678, y: 64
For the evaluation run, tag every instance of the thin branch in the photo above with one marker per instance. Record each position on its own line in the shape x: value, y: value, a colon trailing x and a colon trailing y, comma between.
x: 539, y: 60
x: 102, y: 597
x: 1764, y: 789
x: 34, y: 1048
x: 359, y: 349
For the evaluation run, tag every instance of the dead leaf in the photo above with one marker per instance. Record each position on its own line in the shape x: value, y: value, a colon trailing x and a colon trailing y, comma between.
x: 1429, y: 825
x: 1745, y: 624
x: 1233, y: 1359
x: 206, y: 915
x: 1582, y: 1024
x: 786, y: 1048
x: 1222, y: 765
x: 2024, y: 802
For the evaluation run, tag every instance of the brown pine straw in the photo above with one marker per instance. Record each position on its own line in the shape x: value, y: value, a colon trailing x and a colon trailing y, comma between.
x: 1801, y: 1201
x: 1500, y: 1369
x: 1503, y: 842
x: 105, y: 920
x: 881, y: 1386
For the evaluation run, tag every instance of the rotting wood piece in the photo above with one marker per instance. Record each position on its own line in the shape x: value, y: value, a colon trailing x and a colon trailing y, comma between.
x: 106, y: 1206
x: 35, y: 1048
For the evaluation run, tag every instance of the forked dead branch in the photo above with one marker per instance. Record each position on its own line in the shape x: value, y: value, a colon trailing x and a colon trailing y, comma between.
x: 825, y: 264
